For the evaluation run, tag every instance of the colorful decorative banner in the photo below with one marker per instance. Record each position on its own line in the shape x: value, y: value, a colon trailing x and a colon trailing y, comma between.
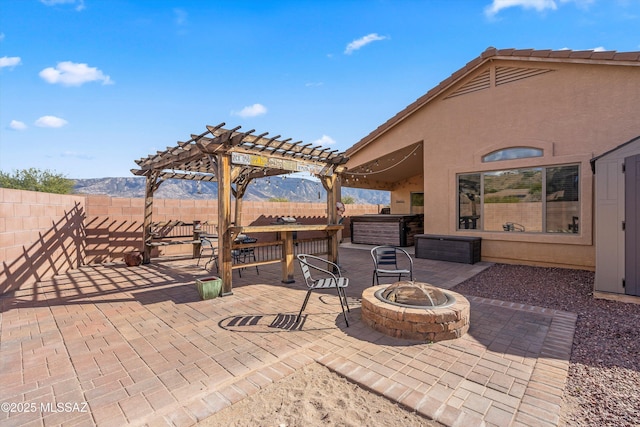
x: 275, y: 163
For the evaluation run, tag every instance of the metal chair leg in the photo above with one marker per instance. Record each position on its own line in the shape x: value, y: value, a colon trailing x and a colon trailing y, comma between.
x: 255, y: 260
x: 342, y: 307
x: 304, y: 305
x: 344, y: 297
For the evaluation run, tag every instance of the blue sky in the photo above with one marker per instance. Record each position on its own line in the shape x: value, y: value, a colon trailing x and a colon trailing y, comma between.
x: 89, y: 86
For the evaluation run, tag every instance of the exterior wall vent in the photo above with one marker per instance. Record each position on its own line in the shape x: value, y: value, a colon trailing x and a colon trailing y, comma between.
x: 506, y: 75
x: 480, y: 82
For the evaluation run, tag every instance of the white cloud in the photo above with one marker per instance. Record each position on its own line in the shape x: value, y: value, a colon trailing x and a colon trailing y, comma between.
x: 324, y: 140
x: 595, y: 49
x: 79, y: 3
x: 76, y: 155
x: 17, y: 125
x: 69, y: 73
x: 539, y: 5
x: 9, y: 61
x: 50, y: 122
x: 251, y: 111
x: 313, y: 84
x: 181, y: 16
x: 361, y: 42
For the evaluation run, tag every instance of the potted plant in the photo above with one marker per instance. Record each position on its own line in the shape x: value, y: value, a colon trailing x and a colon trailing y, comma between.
x: 209, y: 287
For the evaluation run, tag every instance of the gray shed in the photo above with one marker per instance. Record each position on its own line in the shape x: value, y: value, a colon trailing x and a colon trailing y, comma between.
x: 617, y: 220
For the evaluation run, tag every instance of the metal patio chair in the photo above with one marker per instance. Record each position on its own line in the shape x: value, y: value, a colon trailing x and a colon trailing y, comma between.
x: 244, y: 255
x: 328, y: 280
x: 207, y: 245
x: 385, y: 263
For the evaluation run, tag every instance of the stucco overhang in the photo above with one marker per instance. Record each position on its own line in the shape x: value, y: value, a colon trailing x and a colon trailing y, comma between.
x: 387, y: 170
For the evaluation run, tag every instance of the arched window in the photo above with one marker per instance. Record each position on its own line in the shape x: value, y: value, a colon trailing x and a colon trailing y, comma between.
x: 512, y: 153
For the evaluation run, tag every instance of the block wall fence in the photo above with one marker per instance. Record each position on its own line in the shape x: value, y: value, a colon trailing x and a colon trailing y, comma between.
x: 43, y: 234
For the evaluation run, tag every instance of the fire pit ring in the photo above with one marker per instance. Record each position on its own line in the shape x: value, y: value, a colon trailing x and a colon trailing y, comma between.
x: 443, y: 316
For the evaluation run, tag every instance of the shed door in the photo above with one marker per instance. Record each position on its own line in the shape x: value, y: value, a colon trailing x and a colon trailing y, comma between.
x: 632, y: 225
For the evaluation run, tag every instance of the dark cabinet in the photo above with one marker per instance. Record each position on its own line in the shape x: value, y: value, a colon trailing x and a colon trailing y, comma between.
x: 462, y: 249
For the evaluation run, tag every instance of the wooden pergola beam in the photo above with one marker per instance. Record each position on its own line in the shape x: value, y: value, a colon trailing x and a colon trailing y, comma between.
x: 208, y: 157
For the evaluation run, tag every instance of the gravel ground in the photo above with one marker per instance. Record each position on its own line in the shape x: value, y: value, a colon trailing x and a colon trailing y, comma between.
x: 603, y: 387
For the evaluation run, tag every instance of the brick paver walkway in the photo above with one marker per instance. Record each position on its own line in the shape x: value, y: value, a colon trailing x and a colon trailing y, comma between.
x: 111, y: 345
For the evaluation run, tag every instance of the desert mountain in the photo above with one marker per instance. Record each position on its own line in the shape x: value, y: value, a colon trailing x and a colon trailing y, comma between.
x: 262, y: 189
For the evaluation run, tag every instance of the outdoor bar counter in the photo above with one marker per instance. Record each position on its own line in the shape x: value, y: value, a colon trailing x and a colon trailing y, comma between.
x: 286, y: 233
x: 386, y: 229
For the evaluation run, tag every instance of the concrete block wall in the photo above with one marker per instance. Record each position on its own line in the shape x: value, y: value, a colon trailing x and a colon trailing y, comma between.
x: 44, y: 234
x: 41, y: 235
x: 114, y: 225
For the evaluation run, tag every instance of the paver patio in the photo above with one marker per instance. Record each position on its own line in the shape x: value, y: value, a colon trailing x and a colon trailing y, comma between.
x: 138, y: 346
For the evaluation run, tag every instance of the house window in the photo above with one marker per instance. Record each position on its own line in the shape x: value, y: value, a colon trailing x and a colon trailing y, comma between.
x: 512, y: 200
x: 513, y: 153
x: 469, y: 194
x: 528, y: 200
x: 562, y: 210
x: 417, y: 203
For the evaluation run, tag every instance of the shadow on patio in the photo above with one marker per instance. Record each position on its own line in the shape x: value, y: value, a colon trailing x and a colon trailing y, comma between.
x: 139, y: 346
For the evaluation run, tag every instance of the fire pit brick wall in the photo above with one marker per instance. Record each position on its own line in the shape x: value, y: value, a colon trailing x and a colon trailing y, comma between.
x: 431, y: 325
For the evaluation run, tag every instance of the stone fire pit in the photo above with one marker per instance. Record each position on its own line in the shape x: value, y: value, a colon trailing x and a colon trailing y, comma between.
x: 416, y: 311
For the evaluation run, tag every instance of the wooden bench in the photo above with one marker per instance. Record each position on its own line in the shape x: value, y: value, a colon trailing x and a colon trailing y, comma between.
x: 170, y: 233
x: 462, y: 249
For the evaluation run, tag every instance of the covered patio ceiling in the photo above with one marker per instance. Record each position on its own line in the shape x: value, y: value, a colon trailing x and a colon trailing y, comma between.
x: 385, y: 172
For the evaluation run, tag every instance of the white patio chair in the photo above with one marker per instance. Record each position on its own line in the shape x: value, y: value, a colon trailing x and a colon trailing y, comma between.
x: 331, y: 278
x: 385, y: 263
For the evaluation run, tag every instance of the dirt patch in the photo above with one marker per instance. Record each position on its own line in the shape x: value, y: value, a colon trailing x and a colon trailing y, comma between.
x: 315, y: 396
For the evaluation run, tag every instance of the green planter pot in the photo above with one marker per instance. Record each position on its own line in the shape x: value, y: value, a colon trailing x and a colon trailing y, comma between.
x: 209, y: 287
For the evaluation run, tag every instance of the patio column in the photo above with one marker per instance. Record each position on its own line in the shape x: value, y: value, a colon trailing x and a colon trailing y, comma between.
x: 241, y: 188
x: 151, y: 186
x: 329, y: 184
x: 224, y: 221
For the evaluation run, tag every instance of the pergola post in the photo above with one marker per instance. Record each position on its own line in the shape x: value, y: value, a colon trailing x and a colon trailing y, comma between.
x: 150, y: 187
x: 338, y: 191
x: 241, y: 188
x: 329, y: 184
x: 224, y: 221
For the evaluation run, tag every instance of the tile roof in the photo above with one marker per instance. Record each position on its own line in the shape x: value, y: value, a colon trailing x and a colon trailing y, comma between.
x: 491, y: 53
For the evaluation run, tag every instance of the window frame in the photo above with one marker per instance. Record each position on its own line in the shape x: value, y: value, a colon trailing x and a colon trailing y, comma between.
x: 513, y: 149
x: 411, y: 200
x: 543, y: 201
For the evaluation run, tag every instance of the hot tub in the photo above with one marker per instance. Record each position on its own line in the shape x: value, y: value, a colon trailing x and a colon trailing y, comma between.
x: 384, y: 229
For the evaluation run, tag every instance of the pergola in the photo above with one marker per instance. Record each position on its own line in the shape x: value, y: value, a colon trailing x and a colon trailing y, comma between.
x: 233, y: 158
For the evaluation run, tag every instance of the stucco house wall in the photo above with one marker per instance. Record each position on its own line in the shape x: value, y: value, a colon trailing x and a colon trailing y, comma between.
x: 572, y: 108
x: 401, y: 194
